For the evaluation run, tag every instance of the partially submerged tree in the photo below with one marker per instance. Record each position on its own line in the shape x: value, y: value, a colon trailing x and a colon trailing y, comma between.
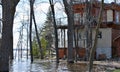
x: 6, y: 49
x: 30, y: 29
x: 37, y: 35
x: 70, y: 16
x: 55, y: 29
x: 96, y: 38
x: 46, y: 35
x: 32, y: 16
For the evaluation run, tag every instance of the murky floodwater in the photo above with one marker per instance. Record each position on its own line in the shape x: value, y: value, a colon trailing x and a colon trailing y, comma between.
x: 38, y: 66
x: 24, y: 65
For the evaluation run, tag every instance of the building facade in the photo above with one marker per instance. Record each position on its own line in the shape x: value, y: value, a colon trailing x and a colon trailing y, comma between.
x: 108, y: 45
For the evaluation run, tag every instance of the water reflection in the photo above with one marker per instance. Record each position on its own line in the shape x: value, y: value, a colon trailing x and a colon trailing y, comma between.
x: 50, y: 66
x: 24, y: 65
x: 20, y: 66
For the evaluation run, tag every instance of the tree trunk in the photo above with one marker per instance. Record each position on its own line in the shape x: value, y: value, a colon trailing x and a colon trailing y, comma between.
x: 88, y: 28
x: 27, y: 54
x: 30, y: 33
x: 38, y: 40
x: 96, y: 40
x: 55, y: 30
x: 70, y: 15
x: 6, y: 50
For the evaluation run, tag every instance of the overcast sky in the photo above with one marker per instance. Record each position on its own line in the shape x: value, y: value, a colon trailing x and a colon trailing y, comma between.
x: 41, y: 9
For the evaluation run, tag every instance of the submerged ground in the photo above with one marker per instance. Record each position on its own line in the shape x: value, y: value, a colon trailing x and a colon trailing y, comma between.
x: 24, y: 65
x: 49, y: 65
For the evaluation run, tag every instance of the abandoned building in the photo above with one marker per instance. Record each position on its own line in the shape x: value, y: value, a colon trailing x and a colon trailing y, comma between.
x: 108, y: 45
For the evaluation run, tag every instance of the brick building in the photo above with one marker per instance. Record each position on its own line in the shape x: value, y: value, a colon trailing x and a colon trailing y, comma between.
x: 109, y: 32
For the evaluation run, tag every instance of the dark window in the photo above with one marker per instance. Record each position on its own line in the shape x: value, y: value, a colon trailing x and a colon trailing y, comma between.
x: 99, y: 34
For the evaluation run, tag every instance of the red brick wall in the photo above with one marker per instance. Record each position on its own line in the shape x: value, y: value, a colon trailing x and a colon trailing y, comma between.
x: 81, y: 52
x: 62, y: 52
x: 116, y: 42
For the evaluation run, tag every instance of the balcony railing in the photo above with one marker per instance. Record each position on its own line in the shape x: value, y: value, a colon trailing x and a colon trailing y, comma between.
x: 61, y: 21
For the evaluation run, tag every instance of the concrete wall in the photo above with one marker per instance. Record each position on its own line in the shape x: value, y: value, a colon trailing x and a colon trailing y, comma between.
x: 104, y: 43
x: 106, y: 40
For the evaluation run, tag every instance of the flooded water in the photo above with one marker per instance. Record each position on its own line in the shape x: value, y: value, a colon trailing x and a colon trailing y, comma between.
x: 42, y: 66
x: 20, y: 66
x: 37, y: 66
x: 24, y: 65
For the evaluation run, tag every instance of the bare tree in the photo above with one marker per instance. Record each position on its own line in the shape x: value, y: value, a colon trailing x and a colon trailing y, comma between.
x: 32, y: 16
x: 37, y: 35
x: 55, y: 29
x: 6, y: 50
x: 30, y: 33
x: 69, y: 12
x: 96, y: 40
